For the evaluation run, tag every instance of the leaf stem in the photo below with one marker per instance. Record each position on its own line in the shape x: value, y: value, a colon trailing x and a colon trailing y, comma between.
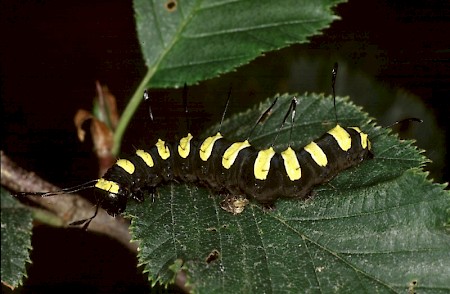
x: 130, y: 110
x: 48, y: 218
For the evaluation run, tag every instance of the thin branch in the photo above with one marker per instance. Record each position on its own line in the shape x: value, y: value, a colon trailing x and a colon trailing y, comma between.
x: 68, y: 208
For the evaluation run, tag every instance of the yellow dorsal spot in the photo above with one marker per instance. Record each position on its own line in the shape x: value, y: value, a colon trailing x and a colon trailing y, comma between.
x: 356, y: 129
x: 291, y: 164
x: 108, y: 186
x: 127, y: 165
x: 232, y: 152
x: 262, y: 163
x: 163, y: 150
x: 342, y: 137
x: 207, y: 146
x: 184, y: 148
x: 146, y: 157
x: 316, y: 153
x: 364, y: 138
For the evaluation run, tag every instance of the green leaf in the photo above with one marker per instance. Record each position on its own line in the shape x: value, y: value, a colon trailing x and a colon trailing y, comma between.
x: 189, y: 41
x: 380, y: 226
x: 196, y: 40
x: 16, y: 223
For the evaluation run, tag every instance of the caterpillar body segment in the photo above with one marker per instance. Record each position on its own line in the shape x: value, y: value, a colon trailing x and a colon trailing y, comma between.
x: 234, y: 168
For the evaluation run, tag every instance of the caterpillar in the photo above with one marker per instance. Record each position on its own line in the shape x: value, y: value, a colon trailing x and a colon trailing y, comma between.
x: 237, y: 169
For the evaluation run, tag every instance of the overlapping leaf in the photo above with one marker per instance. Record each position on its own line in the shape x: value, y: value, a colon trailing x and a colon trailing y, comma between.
x: 184, y: 42
x: 193, y: 40
x: 16, y: 226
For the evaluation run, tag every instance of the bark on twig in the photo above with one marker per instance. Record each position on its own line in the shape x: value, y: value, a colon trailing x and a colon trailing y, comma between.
x: 69, y: 207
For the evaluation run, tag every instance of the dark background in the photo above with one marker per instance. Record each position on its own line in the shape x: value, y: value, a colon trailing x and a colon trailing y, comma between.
x: 52, y: 52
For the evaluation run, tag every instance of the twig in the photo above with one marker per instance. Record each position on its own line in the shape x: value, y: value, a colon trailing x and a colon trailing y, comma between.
x: 68, y: 208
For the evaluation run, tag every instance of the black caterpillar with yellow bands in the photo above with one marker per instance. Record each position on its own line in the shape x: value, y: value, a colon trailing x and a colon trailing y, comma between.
x: 234, y: 168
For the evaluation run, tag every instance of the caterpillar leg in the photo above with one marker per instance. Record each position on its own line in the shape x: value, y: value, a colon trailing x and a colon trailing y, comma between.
x: 139, y: 194
x: 268, y: 207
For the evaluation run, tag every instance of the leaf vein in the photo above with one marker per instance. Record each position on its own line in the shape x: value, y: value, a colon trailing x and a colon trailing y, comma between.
x: 423, y: 250
x: 388, y: 209
x: 204, y: 61
x: 222, y: 266
x: 258, y: 231
x: 251, y: 28
x: 217, y: 4
x: 304, y: 238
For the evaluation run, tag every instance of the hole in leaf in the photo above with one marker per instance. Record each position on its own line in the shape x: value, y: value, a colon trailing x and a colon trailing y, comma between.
x: 171, y: 5
x: 214, y: 255
x: 412, y: 287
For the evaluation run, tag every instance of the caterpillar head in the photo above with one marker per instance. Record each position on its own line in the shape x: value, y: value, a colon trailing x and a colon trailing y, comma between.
x: 114, y: 203
x: 113, y: 197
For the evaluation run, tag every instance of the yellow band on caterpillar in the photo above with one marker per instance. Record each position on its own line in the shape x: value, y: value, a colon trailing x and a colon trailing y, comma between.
x: 163, y: 150
x: 127, y: 165
x: 146, y: 157
x: 108, y: 186
x: 229, y: 157
x: 317, y: 154
x: 291, y: 164
x: 184, y: 148
x: 365, y: 143
x: 342, y: 137
x: 208, y: 145
x: 262, y: 163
